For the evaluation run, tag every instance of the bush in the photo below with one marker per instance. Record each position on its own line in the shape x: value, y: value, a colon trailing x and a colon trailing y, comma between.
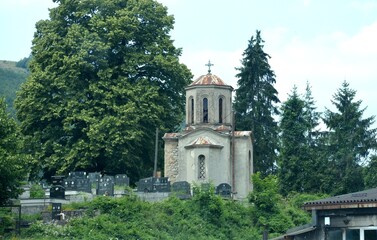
x: 36, y: 191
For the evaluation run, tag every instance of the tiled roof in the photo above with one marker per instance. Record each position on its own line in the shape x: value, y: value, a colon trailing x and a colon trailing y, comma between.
x: 361, y: 199
x: 208, y: 79
x: 242, y: 133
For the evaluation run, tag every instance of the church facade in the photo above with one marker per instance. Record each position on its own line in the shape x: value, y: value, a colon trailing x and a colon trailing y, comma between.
x: 208, y: 150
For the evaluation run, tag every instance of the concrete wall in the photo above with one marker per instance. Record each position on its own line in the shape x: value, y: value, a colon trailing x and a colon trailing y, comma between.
x: 243, y: 166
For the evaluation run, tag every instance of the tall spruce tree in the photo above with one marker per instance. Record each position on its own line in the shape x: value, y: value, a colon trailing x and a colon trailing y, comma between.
x: 298, y: 155
x: 104, y: 75
x: 293, y: 144
x: 255, y: 104
x: 349, y: 141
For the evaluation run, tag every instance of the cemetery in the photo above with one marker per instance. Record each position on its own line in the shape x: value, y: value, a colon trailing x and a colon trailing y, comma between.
x: 80, y: 187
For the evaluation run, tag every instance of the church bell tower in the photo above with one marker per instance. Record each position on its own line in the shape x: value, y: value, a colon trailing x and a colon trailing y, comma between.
x: 208, y: 101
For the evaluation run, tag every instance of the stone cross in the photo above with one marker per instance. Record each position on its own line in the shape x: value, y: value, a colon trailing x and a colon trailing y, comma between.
x: 209, y: 64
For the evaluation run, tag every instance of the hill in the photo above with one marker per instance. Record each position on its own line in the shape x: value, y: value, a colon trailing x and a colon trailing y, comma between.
x: 11, y: 77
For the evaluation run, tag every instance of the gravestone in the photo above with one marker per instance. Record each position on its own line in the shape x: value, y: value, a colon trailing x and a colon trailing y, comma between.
x: 56, y: 211
x: 57, y: 180
x: 94, y: 176
x: 122, y: 180
x: 181, y: 189
x: 83, y: 185
x: 57, y: 192
x: 105, y: 187
x: 69, y: 184
x: 79, y: 174
x: 153, y: 184
x: 108, y: 178
x: 224, y: 190
x: 78, y: 184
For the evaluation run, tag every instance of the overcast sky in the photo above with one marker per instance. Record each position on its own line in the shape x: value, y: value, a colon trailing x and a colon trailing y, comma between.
x: 320, y: 42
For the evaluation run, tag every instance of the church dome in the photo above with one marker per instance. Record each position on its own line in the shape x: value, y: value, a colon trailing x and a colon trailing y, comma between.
x: 208, y: 79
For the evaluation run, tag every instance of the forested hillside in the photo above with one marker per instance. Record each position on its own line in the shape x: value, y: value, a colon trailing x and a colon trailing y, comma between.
x: 12, y: 75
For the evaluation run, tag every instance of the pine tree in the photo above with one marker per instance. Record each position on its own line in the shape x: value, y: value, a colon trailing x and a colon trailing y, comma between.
x: 349, y: 141
x: 255, y: 104
x: 299, y: 159
x: 292, y: 159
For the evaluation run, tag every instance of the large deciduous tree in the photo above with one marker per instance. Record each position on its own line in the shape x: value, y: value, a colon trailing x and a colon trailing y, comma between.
x: 12, y: 167
x: 255, y: 104
x: 104, y: 75
x: 350, y: 140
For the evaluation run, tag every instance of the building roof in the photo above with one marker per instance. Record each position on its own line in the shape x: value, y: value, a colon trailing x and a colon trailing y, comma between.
x: 203, y: 141
x: 362, y: 199
x: 208, y: 79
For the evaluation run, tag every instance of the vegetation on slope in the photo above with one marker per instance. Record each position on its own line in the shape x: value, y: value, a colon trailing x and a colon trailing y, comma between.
x: 12, y: 75
x: 205, y: 216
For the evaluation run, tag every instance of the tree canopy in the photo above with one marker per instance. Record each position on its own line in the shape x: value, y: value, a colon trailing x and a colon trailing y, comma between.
x: 12, y: 163
x: 255, y: 104
x: 104, y: 75
x: 349, y: 141
x: 299, y: 144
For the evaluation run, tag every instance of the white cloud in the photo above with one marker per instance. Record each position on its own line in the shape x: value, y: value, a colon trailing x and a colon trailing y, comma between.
x: 326, y: 61
x: 365, y: 6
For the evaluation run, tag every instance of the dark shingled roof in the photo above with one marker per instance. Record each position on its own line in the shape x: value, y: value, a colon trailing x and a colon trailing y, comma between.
x: 362, y: 198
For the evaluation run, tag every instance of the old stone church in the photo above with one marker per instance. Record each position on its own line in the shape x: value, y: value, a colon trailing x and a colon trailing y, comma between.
x: 207, y: 150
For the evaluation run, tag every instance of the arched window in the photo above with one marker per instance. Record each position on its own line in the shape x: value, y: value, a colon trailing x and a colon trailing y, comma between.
x: 205, y: 110
x: 201, y: 167
x: 220, y: 110
x: 192, y: 110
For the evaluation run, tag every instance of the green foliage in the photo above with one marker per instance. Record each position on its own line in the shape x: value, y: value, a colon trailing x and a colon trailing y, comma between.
x: 255, y: 104
x: 7, y: 220
x: 271, y: 210
x: 299, y: 159
x: 11, y: 77
x: 12, y: 162
x: 24, y: 63
x: 94, y: 99
x: 130, y: 218
x: 36, y: 191
x: 369, y: 173
x: 349, y: 142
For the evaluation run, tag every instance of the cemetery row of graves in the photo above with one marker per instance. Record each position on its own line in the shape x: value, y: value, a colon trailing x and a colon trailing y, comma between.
x: 105, y: 185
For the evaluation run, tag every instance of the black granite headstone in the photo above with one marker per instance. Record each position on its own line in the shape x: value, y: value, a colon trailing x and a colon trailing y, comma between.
x: 181, y: 189
x: 122, y: 180
x: 57, y: 180
x: 57, y: 192
x: 224, y: 190
x: 105, y: 187
x: 56, y: 211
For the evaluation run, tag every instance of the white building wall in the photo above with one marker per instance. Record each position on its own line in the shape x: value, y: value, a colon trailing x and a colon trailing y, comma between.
x: 217, y: 159
x: 243, y: 166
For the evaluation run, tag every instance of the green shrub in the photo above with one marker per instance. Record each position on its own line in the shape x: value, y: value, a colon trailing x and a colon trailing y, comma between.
x: 36, y: 191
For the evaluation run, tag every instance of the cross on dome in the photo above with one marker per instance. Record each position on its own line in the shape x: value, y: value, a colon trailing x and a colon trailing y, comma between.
x: 209, y: 64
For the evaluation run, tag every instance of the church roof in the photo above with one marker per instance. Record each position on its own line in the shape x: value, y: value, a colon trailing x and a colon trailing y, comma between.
x: 203, y: 141
x: 208, y: 79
